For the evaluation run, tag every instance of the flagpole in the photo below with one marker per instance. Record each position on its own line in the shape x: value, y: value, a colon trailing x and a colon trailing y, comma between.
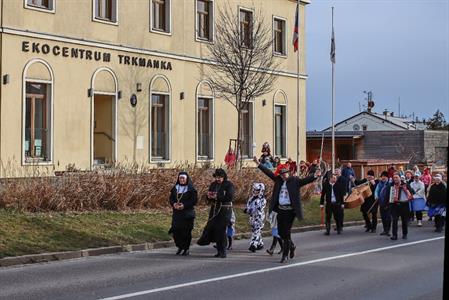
x: 297, y: 90
x: 333, y: 99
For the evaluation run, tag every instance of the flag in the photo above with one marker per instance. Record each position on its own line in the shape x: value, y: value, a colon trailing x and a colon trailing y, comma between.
x: 332, y: 54
x: 295, y: 30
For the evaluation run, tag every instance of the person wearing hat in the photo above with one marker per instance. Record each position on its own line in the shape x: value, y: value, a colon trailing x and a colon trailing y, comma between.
x: 334, y: 194
x: 286, y: 202
x: 381, y: 195
x: 370, y: 206
x: 419, y: 198
x: 221, y: 195
x: 436, y: 200
x: 183, y: 198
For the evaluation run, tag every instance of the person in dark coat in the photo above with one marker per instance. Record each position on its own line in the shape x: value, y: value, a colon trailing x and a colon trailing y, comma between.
x: 183, y: 198
x: 370, y: 205
x: 381, y: 195
x: 286, y: 202
x: 436, y: 200
x: 334, y: 194
x: 220, y: 194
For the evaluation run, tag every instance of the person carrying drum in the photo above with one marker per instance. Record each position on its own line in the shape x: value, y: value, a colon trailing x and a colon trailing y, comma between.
x: 333, y: 193
x: 370, y: 206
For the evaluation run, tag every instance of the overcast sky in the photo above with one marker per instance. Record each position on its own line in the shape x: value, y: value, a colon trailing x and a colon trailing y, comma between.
x: 396, y: 48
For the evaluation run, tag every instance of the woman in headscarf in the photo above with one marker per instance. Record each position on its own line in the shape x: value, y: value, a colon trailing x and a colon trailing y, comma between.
x: 220, y: 194
x: 183, y: 198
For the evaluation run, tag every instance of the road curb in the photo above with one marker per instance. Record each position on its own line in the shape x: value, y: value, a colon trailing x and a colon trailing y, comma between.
x: 54, y: 256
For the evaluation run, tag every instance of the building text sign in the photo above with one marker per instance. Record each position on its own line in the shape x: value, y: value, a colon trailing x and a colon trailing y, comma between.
x: 83, y: 54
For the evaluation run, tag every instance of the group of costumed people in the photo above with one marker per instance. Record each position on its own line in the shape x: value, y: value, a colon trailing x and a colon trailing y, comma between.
x: 284, y: 206
x: 396, y: 195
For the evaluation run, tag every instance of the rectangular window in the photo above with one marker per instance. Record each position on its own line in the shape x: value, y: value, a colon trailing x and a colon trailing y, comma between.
x: 246, y: 23
x: 106, y: 10
x: 205, y: 128
x: 204, y: 11
x: 40, y: 4
x: 159, y: 127
x: 279, y: 36
x: 160, y: 14
x: 280, y: 131
x: 247, y: 131
x: 37, y: 122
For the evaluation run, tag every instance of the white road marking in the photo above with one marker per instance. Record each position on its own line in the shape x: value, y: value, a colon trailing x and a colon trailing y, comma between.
x: 314, y: 261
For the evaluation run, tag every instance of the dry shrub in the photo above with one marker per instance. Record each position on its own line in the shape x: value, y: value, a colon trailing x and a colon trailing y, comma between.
x: 120, y: 188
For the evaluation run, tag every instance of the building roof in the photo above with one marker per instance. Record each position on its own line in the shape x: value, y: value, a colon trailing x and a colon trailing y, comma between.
x: 402, y: 123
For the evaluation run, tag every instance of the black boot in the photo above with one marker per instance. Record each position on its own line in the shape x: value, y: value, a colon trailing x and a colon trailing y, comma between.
x: 179, y: 251
x: 292, y: 250
x: 285, y: 250
x: 185, y: 252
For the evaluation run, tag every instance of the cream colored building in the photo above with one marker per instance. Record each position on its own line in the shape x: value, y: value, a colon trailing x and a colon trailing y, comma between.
x: 69, y: 70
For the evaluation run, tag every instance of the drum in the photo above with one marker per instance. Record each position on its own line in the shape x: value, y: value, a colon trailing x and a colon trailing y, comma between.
x: 354, y: 200
x: 364, y: 190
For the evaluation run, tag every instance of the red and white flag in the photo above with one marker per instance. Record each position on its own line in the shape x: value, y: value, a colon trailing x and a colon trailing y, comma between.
x: 295, y: 30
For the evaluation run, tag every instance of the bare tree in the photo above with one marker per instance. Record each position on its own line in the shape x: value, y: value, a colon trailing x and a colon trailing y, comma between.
x: 243, y: 67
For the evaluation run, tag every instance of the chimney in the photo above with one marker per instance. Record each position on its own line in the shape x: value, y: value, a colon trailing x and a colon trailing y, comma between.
x: 392, y: 114
x: 385, y: 113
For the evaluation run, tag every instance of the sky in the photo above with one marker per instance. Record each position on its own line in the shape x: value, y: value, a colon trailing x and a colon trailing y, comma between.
x: 398, y: 49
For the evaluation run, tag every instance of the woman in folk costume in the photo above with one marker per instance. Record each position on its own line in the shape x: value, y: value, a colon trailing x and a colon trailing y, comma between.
x: 221, y: 195
x: 183, y: 198
x: 255, y: 208
x: 437, y: 199
x: 418, y: 204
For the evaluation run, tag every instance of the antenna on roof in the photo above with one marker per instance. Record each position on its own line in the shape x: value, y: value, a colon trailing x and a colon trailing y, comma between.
x: 369, y: 99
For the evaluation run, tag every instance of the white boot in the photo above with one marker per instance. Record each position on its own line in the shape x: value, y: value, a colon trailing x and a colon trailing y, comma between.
x: 419, y: 223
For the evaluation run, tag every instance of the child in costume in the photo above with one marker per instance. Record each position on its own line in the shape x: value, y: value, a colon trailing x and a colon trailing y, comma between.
x: 255, y: 208
x: 272, y: 218
x: 230, y: 231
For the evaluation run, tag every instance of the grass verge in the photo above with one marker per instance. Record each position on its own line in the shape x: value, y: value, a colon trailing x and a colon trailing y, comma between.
x: 32, y: 233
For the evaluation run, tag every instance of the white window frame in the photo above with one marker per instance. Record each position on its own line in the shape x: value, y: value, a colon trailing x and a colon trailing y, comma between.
x: 212, y: 29
x: 240, y: 8
x: 283, y: 55
x: 170, y: 132
x: 115, y: 113
x: 51, y: 83
x: 169, y: 23
x: 105, y: 21
x: 41, y: 9
x: 252, y: 131
x: 212, y: 99
x: 286, y: 122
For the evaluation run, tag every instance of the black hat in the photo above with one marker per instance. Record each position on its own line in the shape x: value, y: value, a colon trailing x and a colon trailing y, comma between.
x: 219, y: 173
x: 384, y: 174
x: 370, y: 173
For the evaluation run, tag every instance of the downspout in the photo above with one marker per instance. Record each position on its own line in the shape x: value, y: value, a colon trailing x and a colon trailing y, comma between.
x: 1, y: 83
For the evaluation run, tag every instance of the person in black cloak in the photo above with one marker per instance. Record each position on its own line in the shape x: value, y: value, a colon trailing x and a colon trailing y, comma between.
x: 221, y: 194
x: 183, y: 198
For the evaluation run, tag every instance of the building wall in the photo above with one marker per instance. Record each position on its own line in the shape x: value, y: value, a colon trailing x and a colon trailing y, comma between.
x: 71, y: 26
x: 436, y: 146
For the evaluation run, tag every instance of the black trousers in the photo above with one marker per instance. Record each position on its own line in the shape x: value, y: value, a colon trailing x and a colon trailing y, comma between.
x: 370, y: 223
x: 337, y: 212
x: 285, y: 220
x: 182, y: 233
x: 385, y: 215
x: 418, y: 215
x: 400, y: 210
x: 439, y: 222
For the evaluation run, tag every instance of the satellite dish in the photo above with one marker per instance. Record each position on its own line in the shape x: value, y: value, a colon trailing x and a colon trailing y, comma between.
x: 370, y: 104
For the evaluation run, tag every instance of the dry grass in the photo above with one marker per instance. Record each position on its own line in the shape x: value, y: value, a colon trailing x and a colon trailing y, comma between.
x: 119, y: 189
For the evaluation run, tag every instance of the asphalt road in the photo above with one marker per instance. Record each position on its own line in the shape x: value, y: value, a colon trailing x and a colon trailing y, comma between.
x: 354, y: 265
